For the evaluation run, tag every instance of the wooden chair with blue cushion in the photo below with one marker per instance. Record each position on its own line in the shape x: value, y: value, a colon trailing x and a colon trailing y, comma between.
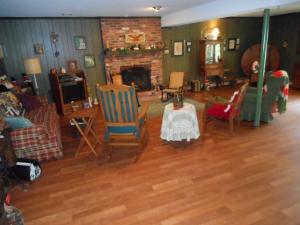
x: 124, y: 125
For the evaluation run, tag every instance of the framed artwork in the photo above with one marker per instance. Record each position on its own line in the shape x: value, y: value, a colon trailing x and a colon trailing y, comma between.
x: 72, y: 66
x: 178, y: 48
x: 188, y: 46
x: 135, y: 38
x: 231, y: 44
x: 89, y: 61
x: 80, y: 42
x: 38, y: 48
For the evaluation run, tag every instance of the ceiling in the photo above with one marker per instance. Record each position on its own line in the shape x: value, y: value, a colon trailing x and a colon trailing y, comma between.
x: 92, y: 8
x: 173, y: 12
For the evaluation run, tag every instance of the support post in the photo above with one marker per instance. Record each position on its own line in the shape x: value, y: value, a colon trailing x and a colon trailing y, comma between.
x: 263, y: 56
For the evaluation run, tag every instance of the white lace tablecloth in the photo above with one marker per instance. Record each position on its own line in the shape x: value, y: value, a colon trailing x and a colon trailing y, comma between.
x: 180, y: 124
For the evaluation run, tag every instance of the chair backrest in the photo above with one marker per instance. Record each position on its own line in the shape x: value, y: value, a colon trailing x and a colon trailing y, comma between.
x: 238, y: 102
x: 117, y: 79
x: 274, y: 85
x: 176, y: 80
x: 118, y: 104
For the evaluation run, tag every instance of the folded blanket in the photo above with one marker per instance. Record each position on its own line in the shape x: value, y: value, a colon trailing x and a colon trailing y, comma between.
x: 284, y: 92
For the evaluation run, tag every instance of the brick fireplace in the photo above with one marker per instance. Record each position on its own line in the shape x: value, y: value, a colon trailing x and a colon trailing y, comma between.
x: 132, y: 42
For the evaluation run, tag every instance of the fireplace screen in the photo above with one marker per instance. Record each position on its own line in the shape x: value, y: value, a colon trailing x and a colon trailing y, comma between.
x: 139, y: 75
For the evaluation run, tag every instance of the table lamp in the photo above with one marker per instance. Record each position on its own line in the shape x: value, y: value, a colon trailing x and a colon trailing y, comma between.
x: 33, y: 66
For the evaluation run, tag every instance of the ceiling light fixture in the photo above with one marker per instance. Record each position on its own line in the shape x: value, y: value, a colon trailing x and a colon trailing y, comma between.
x: 156, y: 8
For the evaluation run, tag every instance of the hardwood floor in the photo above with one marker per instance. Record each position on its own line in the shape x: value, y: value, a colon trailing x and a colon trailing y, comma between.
x: 248, y: 177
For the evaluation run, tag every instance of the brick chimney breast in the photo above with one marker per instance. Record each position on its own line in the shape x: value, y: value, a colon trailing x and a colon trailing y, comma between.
x: 113, y: 35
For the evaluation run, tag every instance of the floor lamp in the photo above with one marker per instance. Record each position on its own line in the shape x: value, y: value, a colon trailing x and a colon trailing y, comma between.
x: 33, y: 66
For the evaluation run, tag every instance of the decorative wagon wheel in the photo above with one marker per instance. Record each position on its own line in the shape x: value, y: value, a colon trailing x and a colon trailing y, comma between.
x: 252, y: 54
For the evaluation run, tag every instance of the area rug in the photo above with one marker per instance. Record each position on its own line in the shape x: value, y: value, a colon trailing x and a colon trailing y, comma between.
x: 156, y: 107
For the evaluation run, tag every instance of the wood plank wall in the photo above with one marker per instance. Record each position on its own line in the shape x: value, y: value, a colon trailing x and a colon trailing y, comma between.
x: 19, y: 35
x: 286, y: 28
x: 247, y: 29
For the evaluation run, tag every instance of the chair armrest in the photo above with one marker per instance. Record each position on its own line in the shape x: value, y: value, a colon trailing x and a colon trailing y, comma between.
x: 144, y: 109
x: 218, y: 100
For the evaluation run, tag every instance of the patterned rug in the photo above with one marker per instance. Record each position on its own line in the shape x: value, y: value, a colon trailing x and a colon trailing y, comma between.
x: 156, y: 107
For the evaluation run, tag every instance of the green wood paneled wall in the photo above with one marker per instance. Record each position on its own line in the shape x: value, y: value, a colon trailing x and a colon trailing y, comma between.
x: 247, y: 29
x: 19, y: 35
x: 286, y: 28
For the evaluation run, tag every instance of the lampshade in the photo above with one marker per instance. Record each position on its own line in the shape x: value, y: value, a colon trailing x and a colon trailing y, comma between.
x: 32, y: 66
x: 215, y: 33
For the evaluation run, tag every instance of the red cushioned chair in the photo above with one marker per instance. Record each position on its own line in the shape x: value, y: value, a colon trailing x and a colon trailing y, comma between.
x: 227, y: 110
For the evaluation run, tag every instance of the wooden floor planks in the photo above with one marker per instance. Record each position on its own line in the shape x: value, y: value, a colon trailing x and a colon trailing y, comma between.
x: 249, y: 177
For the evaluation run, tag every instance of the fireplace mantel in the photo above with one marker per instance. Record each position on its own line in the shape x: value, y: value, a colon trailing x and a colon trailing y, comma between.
x: 126, y: 53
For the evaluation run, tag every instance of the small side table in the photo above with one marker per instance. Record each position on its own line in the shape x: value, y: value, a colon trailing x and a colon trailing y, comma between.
x: 180, y: 124
x: 88, y: 117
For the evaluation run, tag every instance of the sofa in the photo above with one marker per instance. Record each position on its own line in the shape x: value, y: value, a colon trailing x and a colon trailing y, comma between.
x: 42, y: 140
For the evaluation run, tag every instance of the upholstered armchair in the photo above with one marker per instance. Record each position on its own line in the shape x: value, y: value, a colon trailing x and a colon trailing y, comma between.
x: 275, y: 93
x: 227, y: 110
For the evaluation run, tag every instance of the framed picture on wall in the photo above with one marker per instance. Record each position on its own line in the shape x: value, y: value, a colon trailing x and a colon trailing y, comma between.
x: 89, y: 61
x: 231, y: 44
x: 188, y: 46
x: 80, y: 42
x: 178, y: 48
x: 38, y: 48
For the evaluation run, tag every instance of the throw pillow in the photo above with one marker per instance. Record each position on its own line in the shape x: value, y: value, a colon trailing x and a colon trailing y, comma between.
x: 12, y: 105
x: 18, y: 122
x: 29, y: 101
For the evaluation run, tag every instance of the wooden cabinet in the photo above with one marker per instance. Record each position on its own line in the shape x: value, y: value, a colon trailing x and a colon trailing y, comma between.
x: 68, y: 91
x: 211, y: 58
x: 297, y: 75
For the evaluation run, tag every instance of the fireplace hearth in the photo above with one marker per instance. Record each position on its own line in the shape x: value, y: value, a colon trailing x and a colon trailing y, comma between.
x: 140, y: 75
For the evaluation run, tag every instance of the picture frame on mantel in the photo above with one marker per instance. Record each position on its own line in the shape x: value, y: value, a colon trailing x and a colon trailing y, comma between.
x: 178, y: 48
x: 231, y: 46
x: 80, y: 42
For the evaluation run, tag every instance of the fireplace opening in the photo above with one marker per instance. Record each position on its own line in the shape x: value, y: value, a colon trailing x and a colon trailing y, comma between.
x: 140, y: 75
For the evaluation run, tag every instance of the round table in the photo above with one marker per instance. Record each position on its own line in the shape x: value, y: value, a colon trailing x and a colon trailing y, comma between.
x: 180, y: 124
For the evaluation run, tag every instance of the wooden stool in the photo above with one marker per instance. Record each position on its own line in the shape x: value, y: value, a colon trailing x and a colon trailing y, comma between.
x: 87, y: 117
